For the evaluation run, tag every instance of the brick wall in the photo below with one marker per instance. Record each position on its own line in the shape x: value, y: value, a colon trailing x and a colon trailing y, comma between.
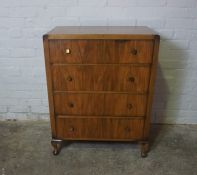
x: 23, y: 92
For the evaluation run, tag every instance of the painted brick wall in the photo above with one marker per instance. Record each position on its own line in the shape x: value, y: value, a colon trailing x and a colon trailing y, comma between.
x: 23, y: 92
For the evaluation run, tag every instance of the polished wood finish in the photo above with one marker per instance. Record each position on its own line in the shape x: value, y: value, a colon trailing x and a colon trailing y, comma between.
x: 101, y: 32
x: 100, y: 104
x: 100, y: 128
x: 131, y: 51
x: 101, y: 51
x: 49, y: 85
x: 101, y: 83
x: 101, y: 78
x: 81, y: 51
x: 151, y: 88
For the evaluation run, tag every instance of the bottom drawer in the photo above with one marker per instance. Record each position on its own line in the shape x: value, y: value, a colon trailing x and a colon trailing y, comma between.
x: 99, y: 128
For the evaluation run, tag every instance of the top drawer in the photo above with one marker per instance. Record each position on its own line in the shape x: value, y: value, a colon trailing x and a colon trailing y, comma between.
x: 101, y: 51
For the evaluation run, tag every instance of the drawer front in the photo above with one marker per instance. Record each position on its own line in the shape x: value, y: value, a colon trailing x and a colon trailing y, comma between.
x: 100, y: 104
x: 75, y: 51
x: 100, y: 78
x: 101, y: 51
x: 129, y: 51
x: 99, y: 128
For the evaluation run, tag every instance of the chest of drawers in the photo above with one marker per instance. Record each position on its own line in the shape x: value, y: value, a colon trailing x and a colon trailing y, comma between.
x: 100, y: 83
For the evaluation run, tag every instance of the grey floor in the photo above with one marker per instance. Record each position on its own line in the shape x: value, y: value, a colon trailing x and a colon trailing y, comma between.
x: 25, y: 149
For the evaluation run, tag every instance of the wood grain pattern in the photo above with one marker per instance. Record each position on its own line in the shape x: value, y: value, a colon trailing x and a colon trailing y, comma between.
x: 128, y: 51
x: 49, y: 86
x: 147, y: 121
x: 99, y: 104
x: 82, y: 51
x: 101, y: 32
x: 101, y: 51
x: 99, y: 128
x: 101, y: 83
x: 101, y: 78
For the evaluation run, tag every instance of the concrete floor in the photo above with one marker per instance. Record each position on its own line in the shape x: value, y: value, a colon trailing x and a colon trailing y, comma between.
x: 25, y: 150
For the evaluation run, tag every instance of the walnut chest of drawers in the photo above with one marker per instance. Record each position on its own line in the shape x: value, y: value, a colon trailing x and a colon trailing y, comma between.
x: 100, y: 83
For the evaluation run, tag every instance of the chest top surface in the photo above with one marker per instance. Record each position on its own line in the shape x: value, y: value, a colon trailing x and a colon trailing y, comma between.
x: 101, y: 32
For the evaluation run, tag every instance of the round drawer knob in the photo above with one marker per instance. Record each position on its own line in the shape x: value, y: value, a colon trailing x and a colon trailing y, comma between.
x: 71, y: 105
x: 129, y: 106
x: 67, y: 51
x: 131, y: 79
x: 134, y: 51
x: 127, y: 129
x: 71, y: 129
x: 69, y: 78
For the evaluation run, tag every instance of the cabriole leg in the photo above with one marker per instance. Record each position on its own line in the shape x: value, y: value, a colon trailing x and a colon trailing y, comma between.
x: 144, y: 147
x: 57, y: 144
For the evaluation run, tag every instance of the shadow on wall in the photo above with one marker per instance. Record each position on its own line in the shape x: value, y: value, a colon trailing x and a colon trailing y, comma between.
x: 160, y: 97
x: 169, y: 85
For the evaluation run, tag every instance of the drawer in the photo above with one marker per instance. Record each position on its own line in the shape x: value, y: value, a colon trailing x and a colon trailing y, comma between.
x: 76, y: 51
x: 101, y: 51
x: 99, y: 104
x: 99, y: 128
x: 100, y: 78
x: 128, y: 51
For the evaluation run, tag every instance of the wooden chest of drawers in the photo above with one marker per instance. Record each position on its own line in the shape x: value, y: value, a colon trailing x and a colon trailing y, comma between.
x: 100, y: 83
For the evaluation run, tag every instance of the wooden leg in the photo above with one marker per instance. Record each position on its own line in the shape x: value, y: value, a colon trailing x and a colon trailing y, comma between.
x: 144, y: 146
x: 57, y: 145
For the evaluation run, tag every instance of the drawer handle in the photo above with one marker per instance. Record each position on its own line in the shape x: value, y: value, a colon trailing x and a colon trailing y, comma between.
x: 131, y: 79
x: 67, y: 51
x: 134, y: 51
x: 71, y: 129
x: 127, y: 129
x: 129, y: 106
x: 69, y: 78
x: 71, y: 105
